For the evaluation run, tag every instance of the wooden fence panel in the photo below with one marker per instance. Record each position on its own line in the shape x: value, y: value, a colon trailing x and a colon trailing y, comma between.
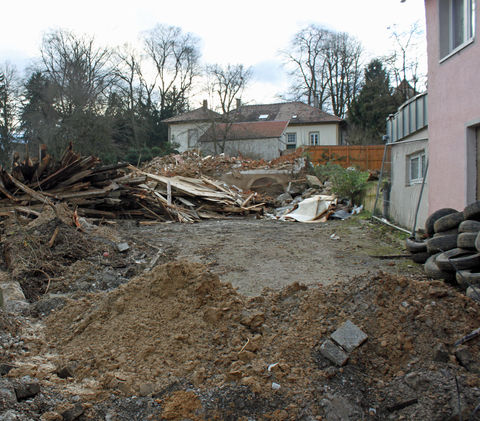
x: 362, y: 157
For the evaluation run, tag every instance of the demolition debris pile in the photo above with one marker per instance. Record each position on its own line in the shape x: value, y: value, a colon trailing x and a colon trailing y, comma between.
x: 115, y: 191
x: 192, y: 164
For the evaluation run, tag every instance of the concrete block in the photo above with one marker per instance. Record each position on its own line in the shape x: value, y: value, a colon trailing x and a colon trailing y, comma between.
x: 333, y: 352
x: 349, y: 336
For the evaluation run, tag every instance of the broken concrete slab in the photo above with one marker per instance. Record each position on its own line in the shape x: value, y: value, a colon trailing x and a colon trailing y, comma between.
x: 121, y: 247
x: 314, y: 181
x: 26, y: 390
x: 349, y: 336
x: 334, y: 353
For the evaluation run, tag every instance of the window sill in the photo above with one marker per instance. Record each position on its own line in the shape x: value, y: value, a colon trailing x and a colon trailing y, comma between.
x: 415, y: 182
x: 456, y: 50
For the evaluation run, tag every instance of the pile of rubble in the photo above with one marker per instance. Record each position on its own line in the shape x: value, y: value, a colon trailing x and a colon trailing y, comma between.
x: 176, y: 343
x: 451, y: 247
x: 115, y: 191
x: 192, y: 164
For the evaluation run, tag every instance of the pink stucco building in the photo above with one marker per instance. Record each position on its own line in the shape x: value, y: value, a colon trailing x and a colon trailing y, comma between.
x: 453, y: 103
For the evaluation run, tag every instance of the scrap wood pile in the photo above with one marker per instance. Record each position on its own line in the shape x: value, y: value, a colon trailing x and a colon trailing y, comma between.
x: 114, y: 191
x: 192, y: 164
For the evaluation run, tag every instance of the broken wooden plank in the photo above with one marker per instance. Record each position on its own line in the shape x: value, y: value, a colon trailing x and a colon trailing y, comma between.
x: 37, y: 196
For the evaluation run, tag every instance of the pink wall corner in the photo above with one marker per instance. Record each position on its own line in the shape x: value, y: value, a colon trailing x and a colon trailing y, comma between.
x: 453, y: 102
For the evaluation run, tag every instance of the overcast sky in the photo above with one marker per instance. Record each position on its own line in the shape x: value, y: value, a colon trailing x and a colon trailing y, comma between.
x: 247, y: 32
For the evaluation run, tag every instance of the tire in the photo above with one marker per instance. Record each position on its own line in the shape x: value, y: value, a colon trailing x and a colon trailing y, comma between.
x: 477, y: 242
x: 414, y: 246
x: 452, y: 231
x: 466, y: 240
x: 448, y: 222
x: 472, y: 211
x: 469, y: 226
x: 434, y: 216
x: 434, y: 272
x: 420, y: 257
x: 457, y: 259
x: 468, y: 277
x: 441, y: 243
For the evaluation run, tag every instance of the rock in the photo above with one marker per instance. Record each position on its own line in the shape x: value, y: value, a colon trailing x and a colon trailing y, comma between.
x: 440, y: 353
x: 73, y: 413
x: 473, y: 293
x: 416, y: 380
x: 121, y: 247
x: 65, y: 371
x: 466, y: 359
x: 12, y: 291
x: 349, y: 336
x: 12, y: 415
x: 7, y: 395
x: 51, y: 416
x: 337, y: 408
x: 334, y: 353
x: 283, y: 199
x: 26, y: 390
x: 5, y: 368
x: 46, y: 305
x: 313, y: 181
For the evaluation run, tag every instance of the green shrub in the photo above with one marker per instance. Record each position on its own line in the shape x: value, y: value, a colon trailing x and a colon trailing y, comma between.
x: 347, y: 183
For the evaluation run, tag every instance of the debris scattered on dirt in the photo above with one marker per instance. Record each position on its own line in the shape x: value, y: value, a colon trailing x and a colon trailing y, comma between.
x: 179, y: 328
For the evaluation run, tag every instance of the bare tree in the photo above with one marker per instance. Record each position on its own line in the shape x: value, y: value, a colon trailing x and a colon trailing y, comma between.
x: 325, y: 68
x: 404, y: 60
x: 8, y: 109
x: 342, y: 55
x: 81, y: 72
x: 307, y: 66
x: 175, y: 55
x: 130, y: 78
x: 226, y: 84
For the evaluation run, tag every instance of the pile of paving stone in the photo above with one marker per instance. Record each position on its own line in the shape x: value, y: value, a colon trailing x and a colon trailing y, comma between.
x: 450, y: 249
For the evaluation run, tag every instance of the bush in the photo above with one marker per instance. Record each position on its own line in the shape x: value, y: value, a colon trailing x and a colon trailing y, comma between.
x: 347, y: 183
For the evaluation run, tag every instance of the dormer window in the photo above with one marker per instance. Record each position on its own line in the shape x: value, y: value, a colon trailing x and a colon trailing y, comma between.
x: 263, y: 116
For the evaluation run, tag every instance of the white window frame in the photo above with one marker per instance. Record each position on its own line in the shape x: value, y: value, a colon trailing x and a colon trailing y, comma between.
x: 421, y: 159
x: 291, y: 144
x: 447, y: 10
x: 314, y: 138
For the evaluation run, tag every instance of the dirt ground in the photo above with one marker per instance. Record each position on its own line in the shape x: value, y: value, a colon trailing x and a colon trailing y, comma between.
x: 253, y: 254
x: 225, y: 320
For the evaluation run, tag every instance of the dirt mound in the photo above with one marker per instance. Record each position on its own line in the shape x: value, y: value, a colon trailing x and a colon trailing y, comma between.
x: 145, y: 334
x: 180, y: 325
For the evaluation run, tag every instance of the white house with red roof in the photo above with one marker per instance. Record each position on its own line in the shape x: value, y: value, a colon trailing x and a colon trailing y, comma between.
x: 256, y: 131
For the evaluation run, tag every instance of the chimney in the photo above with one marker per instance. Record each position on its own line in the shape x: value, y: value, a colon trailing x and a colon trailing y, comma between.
x: 205, y: 104
x: 239, y: 103
x: 316, y: 101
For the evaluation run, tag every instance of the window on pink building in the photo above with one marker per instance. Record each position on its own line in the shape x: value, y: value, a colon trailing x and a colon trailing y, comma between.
x: 457, y: 25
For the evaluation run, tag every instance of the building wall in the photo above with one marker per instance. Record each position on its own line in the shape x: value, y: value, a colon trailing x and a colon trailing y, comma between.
x: 253, y: 148
x: 328, y: 133
x: 454, y: 109
x: 403, y: 195
x: 178, y: 133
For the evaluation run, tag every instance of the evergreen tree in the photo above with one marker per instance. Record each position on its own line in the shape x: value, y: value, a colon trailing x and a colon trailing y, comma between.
x: 368, y: 113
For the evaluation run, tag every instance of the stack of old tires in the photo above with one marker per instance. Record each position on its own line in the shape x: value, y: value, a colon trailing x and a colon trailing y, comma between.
x: 450, y: 249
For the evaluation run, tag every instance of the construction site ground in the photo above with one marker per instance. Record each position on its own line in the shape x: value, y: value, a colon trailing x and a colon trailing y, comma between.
x: 224, y: 319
